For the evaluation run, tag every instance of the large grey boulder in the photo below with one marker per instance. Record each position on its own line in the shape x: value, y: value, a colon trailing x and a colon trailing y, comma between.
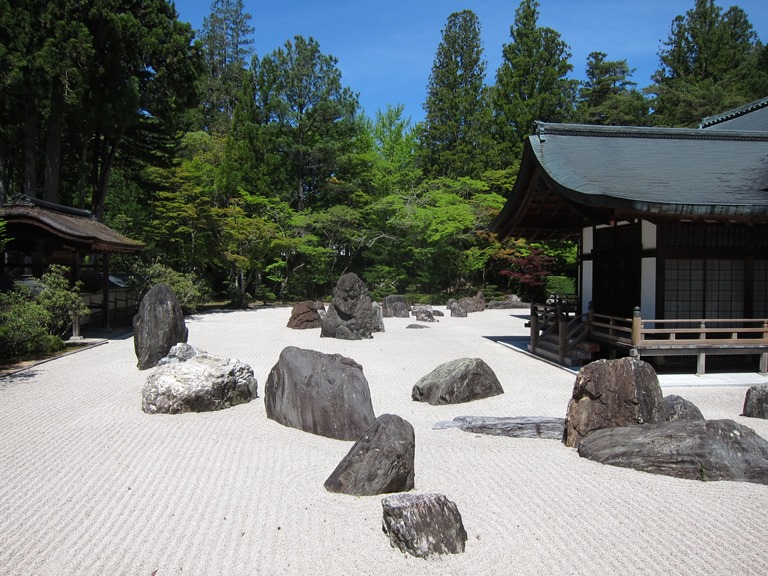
x: 350, y: 315
x: 304, y: 316
x: 697, y: 450
x: 395, y: 306
x: 325, y: 394
x: 457, y: 381
x: 201, y: 383
x: 474, y: 303
x: 423, y: 524
x: 611, y: 393
x: 756, y: 401
x: 423, y: 315
x: 678, y: 408
x: 157, y: 326
x: 456, y: 309
x: 381, y: 460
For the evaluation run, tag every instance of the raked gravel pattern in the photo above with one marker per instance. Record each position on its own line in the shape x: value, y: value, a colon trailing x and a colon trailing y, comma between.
x: 90, y: 485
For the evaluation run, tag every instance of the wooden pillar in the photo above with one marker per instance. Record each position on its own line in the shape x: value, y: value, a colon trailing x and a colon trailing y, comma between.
x: 637, y: 326
x: 105, y: 291
x: 534, y: 327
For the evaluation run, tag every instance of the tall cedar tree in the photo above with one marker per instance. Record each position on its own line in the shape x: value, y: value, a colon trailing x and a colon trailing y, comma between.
x: 531, y: 82
x: 226, y: 40
x: 310, y: 119
x: 89, y: 88
x: 711, y: 62
x: 455, y: 134
x: 608, y: 97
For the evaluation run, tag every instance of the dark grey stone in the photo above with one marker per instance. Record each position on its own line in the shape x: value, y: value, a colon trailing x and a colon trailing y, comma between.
x: 381, y: 461
x: 610, y: 393
x: 692, y: 449
x: 424, y: 315
x: 457, y: 311
x: 458, y: 381
x: 201, y: 383
x: 423, y: 524
x: 549, y: 428
x: 350, y: 315
x: 474, y: 303
x: 756, y: 401
x: 325, y: 394
x: 157, y: 326
x: 396, y: 306
x: 416, y: 326
x: 678, y: 408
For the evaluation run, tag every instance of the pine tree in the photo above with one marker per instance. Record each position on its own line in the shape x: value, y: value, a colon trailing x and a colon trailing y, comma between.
x: 454, y: 137
x: 226, y: 40
x: 608, y: 96
x: 531, y: 82
x: 710, y: 63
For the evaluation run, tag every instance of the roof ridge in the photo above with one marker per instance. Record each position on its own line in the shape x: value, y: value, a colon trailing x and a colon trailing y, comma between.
x: 595, y: 130
x: 733, y: 113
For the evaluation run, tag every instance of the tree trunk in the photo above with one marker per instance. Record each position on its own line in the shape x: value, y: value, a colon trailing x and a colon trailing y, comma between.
x: 53, y: 150
x: 30, y: 148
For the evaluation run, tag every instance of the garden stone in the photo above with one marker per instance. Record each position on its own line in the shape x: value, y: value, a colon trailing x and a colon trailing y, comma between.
x: 181, y: 352
x: 381, y: 460
x: 678, y: 408
x: 423, y: 524
x: 424, y: 315
x: 756, y: 401
x: 416, y: 326
x: 457, y: 311
x: 304, y: 316
x: 378, y: 317
x: 350, y: 315
x: 549, y: 428
x: 157, y: 326
x: 325, y: 394
x: 458, y: 381
x: 202, y: 383
x: 692, y: 449
x: 474, y: 303
x: 611, y: 393
x: 395, y: 306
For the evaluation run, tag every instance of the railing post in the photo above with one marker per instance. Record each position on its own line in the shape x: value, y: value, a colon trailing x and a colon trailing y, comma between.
x: 637, y: 326
x: 534, y: 327
x: 764, y: 356
x: 562, y: 338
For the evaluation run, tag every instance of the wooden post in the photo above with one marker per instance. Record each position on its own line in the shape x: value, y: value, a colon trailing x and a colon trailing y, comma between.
x: 637, y: 326
x: 764, y: 356
x: 701, y: 361
x: 534, y: 327
x: 562, y: 333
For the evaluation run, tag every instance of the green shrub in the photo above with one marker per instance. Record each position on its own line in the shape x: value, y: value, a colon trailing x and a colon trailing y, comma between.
x: 23, y: 324
x: 61, y: 301
x: 190, y: 291
x: 561, y: 286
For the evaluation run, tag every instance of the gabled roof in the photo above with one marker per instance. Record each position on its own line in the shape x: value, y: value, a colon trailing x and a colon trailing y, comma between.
x: 752, y: 116
x: 75, y: 227
x: 573, y: 175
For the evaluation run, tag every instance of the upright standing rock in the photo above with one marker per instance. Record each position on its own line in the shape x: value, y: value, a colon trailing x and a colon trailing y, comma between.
x: 350, y: 315
x: 158, y: 325
x: 423, y: 524
x: 756, y: 401
x: 611, y: 393
x: 381, y: 460
x: 325, y: 394
x: 396, y: 306
x: 304, y: 315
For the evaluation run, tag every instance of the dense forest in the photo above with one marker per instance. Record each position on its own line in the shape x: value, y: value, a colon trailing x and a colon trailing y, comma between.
x: 258, y: 176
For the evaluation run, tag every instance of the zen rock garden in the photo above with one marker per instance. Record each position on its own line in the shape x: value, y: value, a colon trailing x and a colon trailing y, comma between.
x: 617, y: 414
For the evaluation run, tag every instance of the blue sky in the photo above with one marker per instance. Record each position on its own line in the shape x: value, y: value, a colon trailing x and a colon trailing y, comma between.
x: 386, y: 48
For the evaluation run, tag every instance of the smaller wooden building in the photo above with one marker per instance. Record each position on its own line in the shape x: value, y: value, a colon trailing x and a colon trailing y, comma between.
x: 40, y: 233
x: 672, y: 228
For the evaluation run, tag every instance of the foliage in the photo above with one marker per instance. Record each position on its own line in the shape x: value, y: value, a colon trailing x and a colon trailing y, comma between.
x: 454, y: 138
x: 190, y: 291
x: 711, y: 62
x: 60, y: 300
x: 531, y: 271
x: 608, y: 96
x: 561, y: 286
x: 531, y: 83
x: 23, y: 324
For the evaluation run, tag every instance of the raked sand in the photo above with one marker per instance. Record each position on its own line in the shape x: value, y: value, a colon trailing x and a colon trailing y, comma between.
x: 90, y: 485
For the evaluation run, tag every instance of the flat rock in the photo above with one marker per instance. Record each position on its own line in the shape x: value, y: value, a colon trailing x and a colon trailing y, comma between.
x: 423, y: 524
x: 756, y: 401
x: 610, y: 393
x: 692, y: 449
x: 201, y: 383
x: 381, y: 461
x: 416, y: 326
x: 157, y: 326
x: 325, y: 394
x: 458, y: 381
x: 549, y: 428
